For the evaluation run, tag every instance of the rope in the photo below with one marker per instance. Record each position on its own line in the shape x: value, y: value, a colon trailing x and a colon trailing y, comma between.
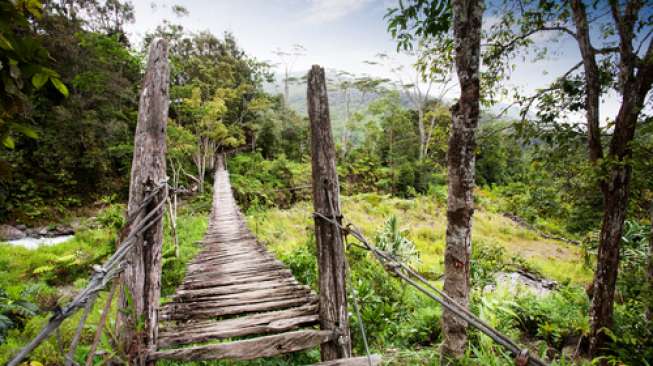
x: 397, y: 267
x: 102, y: 274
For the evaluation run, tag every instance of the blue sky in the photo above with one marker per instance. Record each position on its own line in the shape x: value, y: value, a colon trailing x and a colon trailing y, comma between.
x: 338, y: 34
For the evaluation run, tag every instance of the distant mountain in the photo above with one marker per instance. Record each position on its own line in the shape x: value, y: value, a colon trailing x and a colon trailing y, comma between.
x: 337, y: 101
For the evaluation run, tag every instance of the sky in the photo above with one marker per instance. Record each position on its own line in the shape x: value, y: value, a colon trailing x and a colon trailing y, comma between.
x: 337, y: 34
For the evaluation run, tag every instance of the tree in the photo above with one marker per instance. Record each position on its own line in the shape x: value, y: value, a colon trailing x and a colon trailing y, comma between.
x: 181, y: 145
x: 211, y: 134
x: 627, y: 69
x: 24, y: 68
x: 287, y: 59
x: 429, y: 79
x: 84, y: 141
x: 467, y: 22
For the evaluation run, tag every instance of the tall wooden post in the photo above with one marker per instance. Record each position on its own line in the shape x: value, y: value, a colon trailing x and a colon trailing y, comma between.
x: 142, y: 275
x: 326, y: 201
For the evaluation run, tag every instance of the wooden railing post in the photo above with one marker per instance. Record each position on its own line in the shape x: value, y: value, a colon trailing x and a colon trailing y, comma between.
x: 326, y: 201
x: 138, y: 318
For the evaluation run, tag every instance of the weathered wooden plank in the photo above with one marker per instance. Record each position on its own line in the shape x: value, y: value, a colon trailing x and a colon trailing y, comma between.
x: 237, y: 309
x: 236, y: 279
x: 231, y: 271
x: 249, y: 349
x: 234, y: 263
x: 354, y: 361
x: 233, y: 289
x: 198, y: 304
x: 247, y: 295
x: 201, y: 324
x: 263, y: 323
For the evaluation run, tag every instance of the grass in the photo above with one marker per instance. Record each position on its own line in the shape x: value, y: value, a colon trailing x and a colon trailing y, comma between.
x: 424, y: 219
x: 51, y: 275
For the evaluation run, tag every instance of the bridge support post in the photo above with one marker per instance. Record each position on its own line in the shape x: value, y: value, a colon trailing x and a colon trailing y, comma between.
x: 326, y: 201
x: 139, y: 300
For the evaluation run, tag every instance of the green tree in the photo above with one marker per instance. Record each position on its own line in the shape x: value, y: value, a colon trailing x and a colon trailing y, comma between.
x: 617, y: 58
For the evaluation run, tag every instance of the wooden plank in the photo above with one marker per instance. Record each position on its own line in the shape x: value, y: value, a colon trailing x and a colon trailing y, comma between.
x: 242, y: 271
x: 291, y: 289
x: 190, y: 306
x: 233, y: 289
x: 250, y: 348
x: 236, y: 309
x: 236, y: 279
x: 354, y: 361
x: 263, y: 323
x: 234, y: 263
x: 291, y: 312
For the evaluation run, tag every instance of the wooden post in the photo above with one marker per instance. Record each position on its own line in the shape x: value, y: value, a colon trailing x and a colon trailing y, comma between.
x: 326, y: 198
x: 142, y: 275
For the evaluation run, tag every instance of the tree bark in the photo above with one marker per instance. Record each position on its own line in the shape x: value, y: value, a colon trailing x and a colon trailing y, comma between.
x: 467, y: 20
x: 326, y: 201
x: 142, y: 275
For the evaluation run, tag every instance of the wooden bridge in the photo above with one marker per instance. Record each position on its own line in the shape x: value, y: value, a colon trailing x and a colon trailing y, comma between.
x: 236, y: 288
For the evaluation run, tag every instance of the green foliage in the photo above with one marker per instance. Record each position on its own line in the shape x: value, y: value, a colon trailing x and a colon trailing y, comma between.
x: 14, y: 313
x: 557, y: 318
x: 81, y: 147
x: 24, y: 69
x: 190, y: 228
x: 113, y: 216
x: 259, y: 183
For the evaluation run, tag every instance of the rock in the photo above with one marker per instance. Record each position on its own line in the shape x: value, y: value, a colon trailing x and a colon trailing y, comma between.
x: 21, y: 227
x: 514, y: 281
x: 8, y: 232
x: 63, y: 230
x: 569, y: 352
x: 42, y: 231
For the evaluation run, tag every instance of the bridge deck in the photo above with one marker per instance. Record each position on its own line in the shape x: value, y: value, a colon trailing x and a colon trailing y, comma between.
x: 236, y: 288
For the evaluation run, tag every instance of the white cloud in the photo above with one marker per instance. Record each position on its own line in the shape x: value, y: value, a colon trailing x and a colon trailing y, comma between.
x: 323, y: 11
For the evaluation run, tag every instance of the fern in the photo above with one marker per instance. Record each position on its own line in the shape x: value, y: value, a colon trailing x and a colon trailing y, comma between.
x: 14, y: 313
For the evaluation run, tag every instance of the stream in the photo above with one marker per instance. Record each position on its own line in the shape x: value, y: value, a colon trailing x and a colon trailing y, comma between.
x: 33, y: 243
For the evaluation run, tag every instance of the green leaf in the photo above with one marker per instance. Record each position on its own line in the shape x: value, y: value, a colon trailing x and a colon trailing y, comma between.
x: 4, y: 43
x: 43, y: 269
x: 34, y: 7
x: 8, y: 142
x: 25, y: 130
x: 61, y: 87
x: 39, y: 79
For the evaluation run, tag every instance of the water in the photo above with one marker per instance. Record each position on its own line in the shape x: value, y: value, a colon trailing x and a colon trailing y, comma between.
x: 33, y: 243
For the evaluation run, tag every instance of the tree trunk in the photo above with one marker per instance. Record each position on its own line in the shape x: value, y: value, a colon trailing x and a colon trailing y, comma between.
x: 326, y: 201
x: 422, y: 132
x: 592, y: 82
x: 142, y: 275
x: 467, y: 20
x: 616, y: 185
x: 615, y: 200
